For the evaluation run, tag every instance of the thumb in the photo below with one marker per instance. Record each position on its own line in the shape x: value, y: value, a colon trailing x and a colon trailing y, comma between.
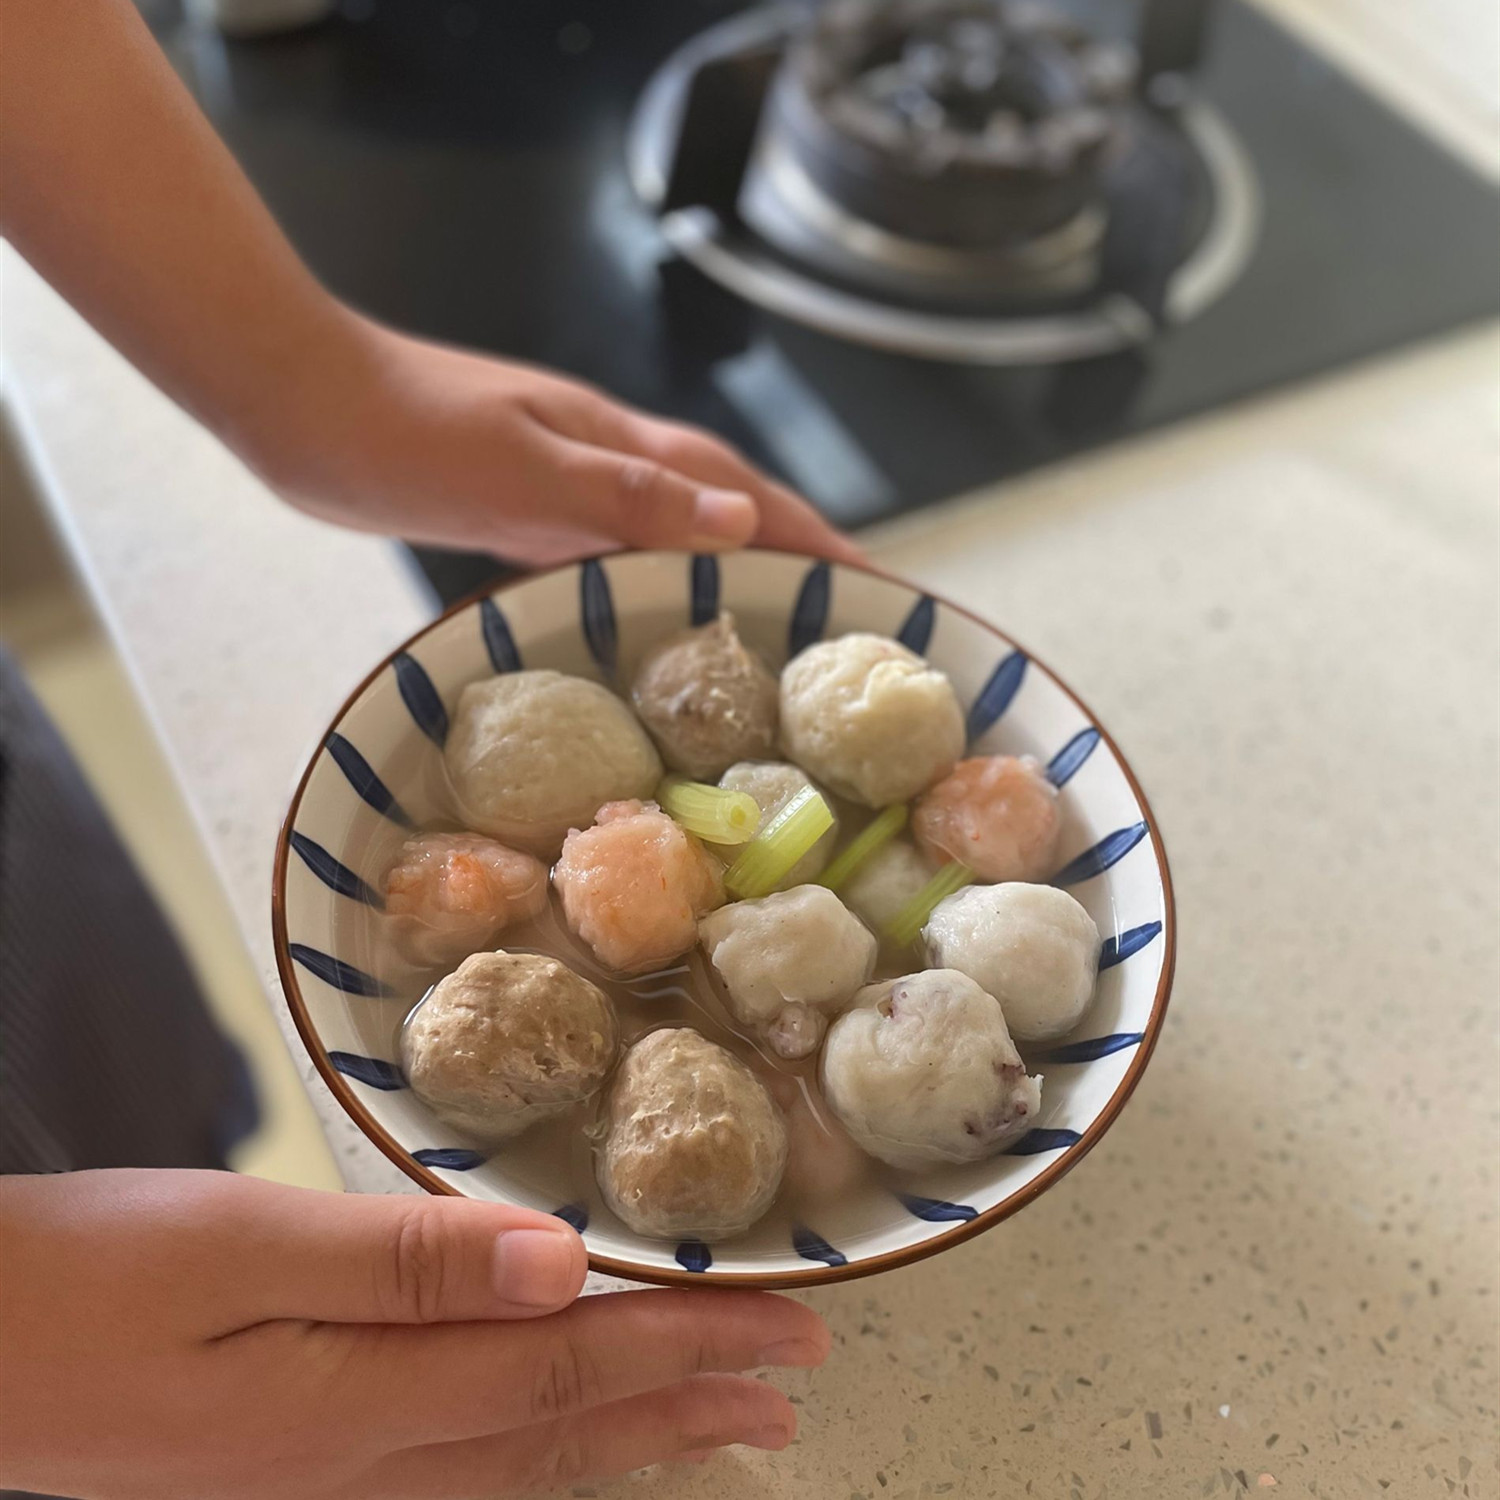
x: 352, y: 1258
x: 643, y: 503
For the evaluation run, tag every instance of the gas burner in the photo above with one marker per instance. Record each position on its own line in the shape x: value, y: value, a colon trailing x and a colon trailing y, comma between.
x: 967, y: 180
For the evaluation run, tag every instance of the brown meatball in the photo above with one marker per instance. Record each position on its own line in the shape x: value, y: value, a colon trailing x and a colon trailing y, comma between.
x: 707, y: 700
x: 695, y: 1145
x: 508, y: 1039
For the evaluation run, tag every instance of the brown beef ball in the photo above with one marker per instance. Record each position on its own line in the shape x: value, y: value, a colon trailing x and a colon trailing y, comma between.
x: 508, y: 1039
x: 707, y: 700
x: 695, y: 1146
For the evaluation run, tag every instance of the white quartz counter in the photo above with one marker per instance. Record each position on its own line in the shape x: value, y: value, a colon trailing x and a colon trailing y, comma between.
x: 1279, y: 1269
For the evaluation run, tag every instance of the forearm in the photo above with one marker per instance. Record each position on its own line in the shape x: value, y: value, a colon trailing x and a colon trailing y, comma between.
x: 115, y: 187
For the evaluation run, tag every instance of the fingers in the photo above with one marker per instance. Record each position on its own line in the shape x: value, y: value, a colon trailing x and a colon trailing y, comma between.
x: 789, y: 523
x: 631, y: 498
x: 462, y: 1380
x: 586, y: 420
x: 686, y: 1421
x: 786, y: 520
x: 351, y: 1258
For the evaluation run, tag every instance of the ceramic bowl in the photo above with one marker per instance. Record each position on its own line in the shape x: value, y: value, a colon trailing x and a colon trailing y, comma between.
x: 377, y: 772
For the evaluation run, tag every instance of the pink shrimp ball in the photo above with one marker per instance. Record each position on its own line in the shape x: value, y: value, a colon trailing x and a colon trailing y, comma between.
x: 997, y: 814
x: 634, y: 885
x: 450, y: 894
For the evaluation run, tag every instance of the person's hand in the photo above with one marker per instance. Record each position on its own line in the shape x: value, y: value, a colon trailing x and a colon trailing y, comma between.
x: 441, y: 446
x: 188, y: 1334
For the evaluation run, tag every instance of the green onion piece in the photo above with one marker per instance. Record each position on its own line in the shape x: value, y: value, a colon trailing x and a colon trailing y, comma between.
x: 877, y: 833
x: 764, y: 862
x: 720, y: 816
x: 907, y: 924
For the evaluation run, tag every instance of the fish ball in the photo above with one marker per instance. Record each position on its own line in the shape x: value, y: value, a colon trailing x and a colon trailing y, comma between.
x: 773, y: 783
x: 1032, y: 947
x: 870, y: 718
x: 789, y: 962
x: 533, y: 754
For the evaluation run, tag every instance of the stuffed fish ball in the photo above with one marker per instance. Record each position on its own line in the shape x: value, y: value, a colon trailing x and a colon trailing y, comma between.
x: 508, y: 1039
x: 886, y: 883
x: 634, y: 885
x: 694, y: 1145
x: 870, y: 718
x: 997, y: 814
x: 533, y: 754
x: 773, y: 783
x: 707, y: 700
x: 450, y: 894
x: 923, y: 1069
x: 788, y: 962
x: 1032, y: 947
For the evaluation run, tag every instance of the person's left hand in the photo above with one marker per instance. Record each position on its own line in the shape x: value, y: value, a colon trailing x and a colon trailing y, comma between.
x: 455, y: 449
x: 174, y: 1335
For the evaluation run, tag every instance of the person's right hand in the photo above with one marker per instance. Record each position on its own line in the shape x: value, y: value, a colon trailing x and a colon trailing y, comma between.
x: 184, y: 1334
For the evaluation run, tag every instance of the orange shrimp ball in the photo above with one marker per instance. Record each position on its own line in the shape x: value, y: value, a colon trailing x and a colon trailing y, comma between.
x: 449, y: 894
x: 997, y: 814
x: 634, y: 885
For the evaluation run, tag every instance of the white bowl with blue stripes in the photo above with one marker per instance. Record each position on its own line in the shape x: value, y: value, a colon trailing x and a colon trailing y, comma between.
x: 377, y: 773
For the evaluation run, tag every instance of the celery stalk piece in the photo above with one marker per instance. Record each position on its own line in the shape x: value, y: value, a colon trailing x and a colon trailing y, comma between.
x: 765, y: 860
x: 721, y: 817
x: 876, y: 834
x: 907, y: 924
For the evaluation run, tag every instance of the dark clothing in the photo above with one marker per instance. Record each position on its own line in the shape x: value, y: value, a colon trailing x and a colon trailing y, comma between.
x: 108, y: 1057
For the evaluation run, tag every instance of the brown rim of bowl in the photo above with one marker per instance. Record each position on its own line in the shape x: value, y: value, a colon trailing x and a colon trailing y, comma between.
x: 769, y: 1280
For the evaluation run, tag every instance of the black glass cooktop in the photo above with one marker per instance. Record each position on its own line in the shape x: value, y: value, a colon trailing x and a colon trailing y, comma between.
x: 458, y: 169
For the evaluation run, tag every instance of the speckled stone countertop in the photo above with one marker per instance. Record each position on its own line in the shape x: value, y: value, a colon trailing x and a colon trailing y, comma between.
x: 1278, y: 1272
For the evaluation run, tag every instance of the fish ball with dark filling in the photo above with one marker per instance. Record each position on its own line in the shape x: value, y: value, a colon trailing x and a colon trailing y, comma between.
x: 923, y: 1069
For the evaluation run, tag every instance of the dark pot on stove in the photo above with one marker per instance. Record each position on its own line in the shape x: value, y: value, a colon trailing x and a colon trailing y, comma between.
x: 972, y: 125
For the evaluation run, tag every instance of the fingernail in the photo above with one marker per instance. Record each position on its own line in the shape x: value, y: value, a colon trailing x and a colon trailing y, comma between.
x: 774, y: 1437
x: 721, y: 516
x: 791, y: 1352
x: 535, y: 1267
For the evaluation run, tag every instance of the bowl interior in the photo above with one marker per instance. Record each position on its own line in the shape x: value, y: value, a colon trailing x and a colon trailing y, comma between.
x: 379, y: 772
